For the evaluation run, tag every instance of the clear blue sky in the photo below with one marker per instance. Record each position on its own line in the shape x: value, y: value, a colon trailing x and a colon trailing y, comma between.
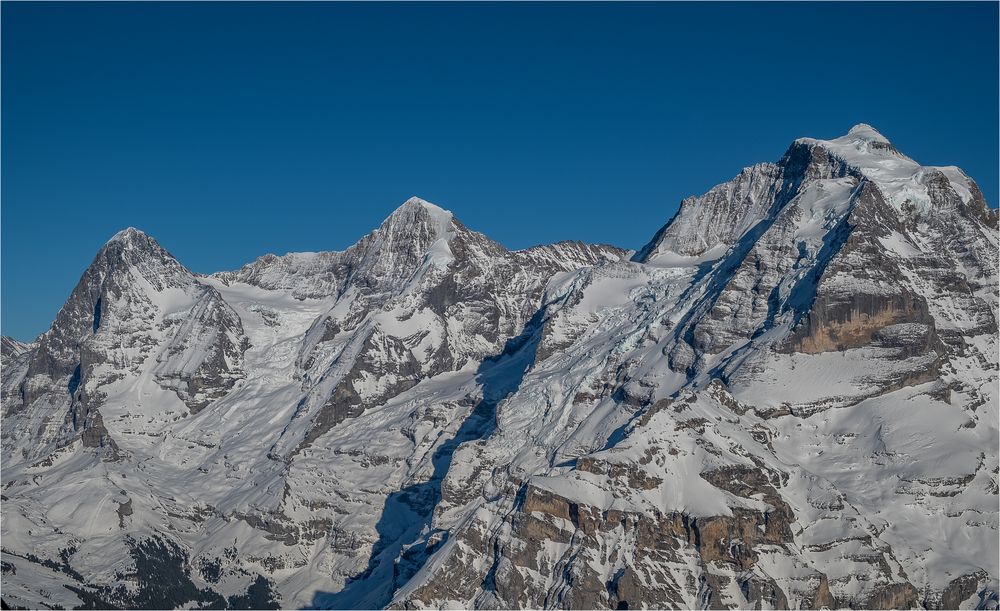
x: 231, y: 130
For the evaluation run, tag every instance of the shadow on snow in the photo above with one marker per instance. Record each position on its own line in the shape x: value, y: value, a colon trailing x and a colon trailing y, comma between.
x: 406, y: 539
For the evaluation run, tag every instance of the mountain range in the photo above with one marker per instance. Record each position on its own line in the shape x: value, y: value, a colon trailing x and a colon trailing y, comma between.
x: 788, y: 398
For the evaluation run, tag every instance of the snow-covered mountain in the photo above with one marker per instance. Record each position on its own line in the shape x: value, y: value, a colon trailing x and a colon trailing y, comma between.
x: 786, y: 399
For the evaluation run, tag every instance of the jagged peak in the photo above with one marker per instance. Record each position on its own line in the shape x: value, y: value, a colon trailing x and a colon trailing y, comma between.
x: 130, y: 239
x: 416, y: 206
x: 128, y: 234
x: 423, y: 203
x: 133, y: 247
x: 416, y: 216
x: 415, y: 226
x: 712, y: 220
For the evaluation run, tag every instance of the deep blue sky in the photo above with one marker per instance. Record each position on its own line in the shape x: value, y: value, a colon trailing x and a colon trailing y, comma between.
x: 231, y: 130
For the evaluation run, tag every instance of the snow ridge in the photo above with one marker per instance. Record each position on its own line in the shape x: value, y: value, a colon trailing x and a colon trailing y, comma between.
x: 786, y: 399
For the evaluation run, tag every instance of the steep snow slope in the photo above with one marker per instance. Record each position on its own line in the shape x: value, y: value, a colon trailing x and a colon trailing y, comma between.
x: 11, y: 348
x: 195, y: 419
x: 796, y: 406
x: 787, y: 398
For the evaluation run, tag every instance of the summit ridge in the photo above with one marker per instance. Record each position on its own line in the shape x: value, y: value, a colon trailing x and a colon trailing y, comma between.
x: 787, y: 399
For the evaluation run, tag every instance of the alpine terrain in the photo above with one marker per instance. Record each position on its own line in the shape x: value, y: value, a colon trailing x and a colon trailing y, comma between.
x: 788, y: 398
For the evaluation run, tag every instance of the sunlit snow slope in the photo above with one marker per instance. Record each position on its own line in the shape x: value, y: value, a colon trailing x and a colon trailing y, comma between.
x: 787, y: 399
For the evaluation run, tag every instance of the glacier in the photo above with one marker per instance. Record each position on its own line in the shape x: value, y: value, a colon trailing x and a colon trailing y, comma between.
x: 788, y: 398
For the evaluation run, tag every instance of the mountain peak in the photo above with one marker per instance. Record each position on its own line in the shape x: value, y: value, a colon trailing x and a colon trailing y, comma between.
x: 862, y: 138
x: 135, y: 249
x: 127, y: 235
x: 137, y: 242
x: 130, y: 239
x: 866, y: 132
x: 416, y: 212
x: 867, y: 150
x: 417, y: 204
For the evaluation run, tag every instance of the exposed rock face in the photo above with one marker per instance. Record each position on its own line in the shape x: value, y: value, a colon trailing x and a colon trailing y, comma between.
x: 730, y: 342
x: 146, y: 350
x: 420, y: 296
x: 136, y: 311
x: 787, y: 399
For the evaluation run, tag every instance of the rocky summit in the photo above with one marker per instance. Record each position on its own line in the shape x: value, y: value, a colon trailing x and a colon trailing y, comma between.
x: 788, y: 398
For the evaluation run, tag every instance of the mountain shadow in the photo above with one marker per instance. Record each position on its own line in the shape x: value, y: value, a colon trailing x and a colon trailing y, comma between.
x: 406, y: 538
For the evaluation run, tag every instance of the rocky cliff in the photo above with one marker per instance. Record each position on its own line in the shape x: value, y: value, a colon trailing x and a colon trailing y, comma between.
x: 786, y: 399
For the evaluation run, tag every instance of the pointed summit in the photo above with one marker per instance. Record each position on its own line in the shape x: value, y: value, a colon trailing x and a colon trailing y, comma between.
x: 417, y: 207
x: 128, y: 234
x: 417, y: 219
x: 118, y: 291
x: 423, y: 203
x: 132, y: 239
x: 863, y: 131
x: 134, y: 251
